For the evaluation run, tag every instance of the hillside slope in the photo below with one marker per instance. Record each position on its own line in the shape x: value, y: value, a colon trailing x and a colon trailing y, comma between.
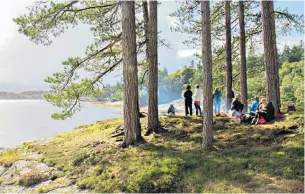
x: 22, y: 95
x: 267, y: 158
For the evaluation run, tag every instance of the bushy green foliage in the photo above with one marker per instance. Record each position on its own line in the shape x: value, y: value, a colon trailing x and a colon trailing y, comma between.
x: 31, y: 178
x: 292, y: 85
x: 294, y: 54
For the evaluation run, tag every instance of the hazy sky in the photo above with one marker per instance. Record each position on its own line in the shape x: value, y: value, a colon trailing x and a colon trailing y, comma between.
x: 24, y: 65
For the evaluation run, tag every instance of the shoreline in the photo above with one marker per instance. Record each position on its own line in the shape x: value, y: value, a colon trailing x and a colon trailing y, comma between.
x: 162, y: 108
x: 108, y: 104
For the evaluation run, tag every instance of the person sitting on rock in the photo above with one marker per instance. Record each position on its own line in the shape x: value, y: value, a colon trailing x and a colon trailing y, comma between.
x: 171, y: 110
x: 237, y: 106
x: 265, y: 110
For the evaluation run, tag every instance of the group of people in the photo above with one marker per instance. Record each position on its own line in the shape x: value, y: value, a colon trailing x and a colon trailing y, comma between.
x: 260, y: 107
x: 188, y: 101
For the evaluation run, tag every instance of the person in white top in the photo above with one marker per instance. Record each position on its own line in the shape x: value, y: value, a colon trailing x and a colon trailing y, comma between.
x: 197, y: 99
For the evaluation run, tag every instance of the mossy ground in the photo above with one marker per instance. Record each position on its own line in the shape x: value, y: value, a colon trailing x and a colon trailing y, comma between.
x: 245, y: 158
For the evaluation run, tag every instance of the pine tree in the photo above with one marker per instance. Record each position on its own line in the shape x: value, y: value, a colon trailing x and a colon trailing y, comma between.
x: 132, y: 127
x: 271, y: 65
x: 153, y: 120
x: 207, y: 127
x: 242, y: 50
x: 228, y: 55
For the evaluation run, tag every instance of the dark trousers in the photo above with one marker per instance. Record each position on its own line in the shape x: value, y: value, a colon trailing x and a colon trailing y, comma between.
x: 172, y: 112
x: 262, y: 114
x: 188, y: 107
x: 197, y: 106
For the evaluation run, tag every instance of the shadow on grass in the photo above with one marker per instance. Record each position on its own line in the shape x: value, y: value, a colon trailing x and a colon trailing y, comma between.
x: 245, y: 159
x: 210, y: 171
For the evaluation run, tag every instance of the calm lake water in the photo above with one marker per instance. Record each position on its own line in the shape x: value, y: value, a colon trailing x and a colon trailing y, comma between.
x: 28, y: 120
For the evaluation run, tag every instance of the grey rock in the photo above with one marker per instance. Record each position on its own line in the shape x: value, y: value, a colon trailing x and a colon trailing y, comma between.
x: 70, y: 189
x: 23, y: 168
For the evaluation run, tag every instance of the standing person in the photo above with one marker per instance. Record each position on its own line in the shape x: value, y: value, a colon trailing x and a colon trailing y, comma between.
x: 188, y: 100
x: 217, y: 101
x: 197, y: 99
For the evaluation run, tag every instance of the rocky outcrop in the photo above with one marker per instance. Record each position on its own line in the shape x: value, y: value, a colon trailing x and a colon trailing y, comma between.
x: 31, y: 176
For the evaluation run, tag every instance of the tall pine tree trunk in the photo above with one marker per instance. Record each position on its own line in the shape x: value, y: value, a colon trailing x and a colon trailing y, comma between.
x: 207, y: 127
x: 153, y: 120
x: 132, y: 127
x: 278, y: 91
x: 146, y: 26
x: 242, y: 49
x: 228, y: 54
x: 269, y: 37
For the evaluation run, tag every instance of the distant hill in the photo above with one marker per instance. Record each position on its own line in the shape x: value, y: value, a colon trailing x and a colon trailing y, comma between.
x: 23, y: 95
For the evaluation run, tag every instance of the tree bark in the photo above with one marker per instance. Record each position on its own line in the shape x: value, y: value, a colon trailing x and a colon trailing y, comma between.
x: 207, y: 76
x: 132, y: 127
x: 278, y: 90
x: 228, y: 54
x: 242, y: 48
x: 269, y: 37
x: 153, y: 120
x: 146, y: 26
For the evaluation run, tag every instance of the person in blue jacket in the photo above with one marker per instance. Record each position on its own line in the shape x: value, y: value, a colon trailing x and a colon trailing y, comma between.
x: 217, y: 101
x: 254, y: 105
x: 171, y: 110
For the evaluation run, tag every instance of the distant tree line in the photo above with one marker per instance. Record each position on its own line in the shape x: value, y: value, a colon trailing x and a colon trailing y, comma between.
x: 171, y: 84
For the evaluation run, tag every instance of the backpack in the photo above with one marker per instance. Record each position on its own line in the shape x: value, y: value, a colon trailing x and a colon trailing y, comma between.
x: 270, y: 112
x: 291, y: 108
x: 262, y: 120
x: 247, y: 119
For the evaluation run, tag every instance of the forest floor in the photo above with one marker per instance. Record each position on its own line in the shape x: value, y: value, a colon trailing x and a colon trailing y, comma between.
x: 245, y: 158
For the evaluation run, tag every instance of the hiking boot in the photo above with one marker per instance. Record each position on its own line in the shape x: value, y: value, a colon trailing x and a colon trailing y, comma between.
x: 253, y: 121
x: 257, y: 121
